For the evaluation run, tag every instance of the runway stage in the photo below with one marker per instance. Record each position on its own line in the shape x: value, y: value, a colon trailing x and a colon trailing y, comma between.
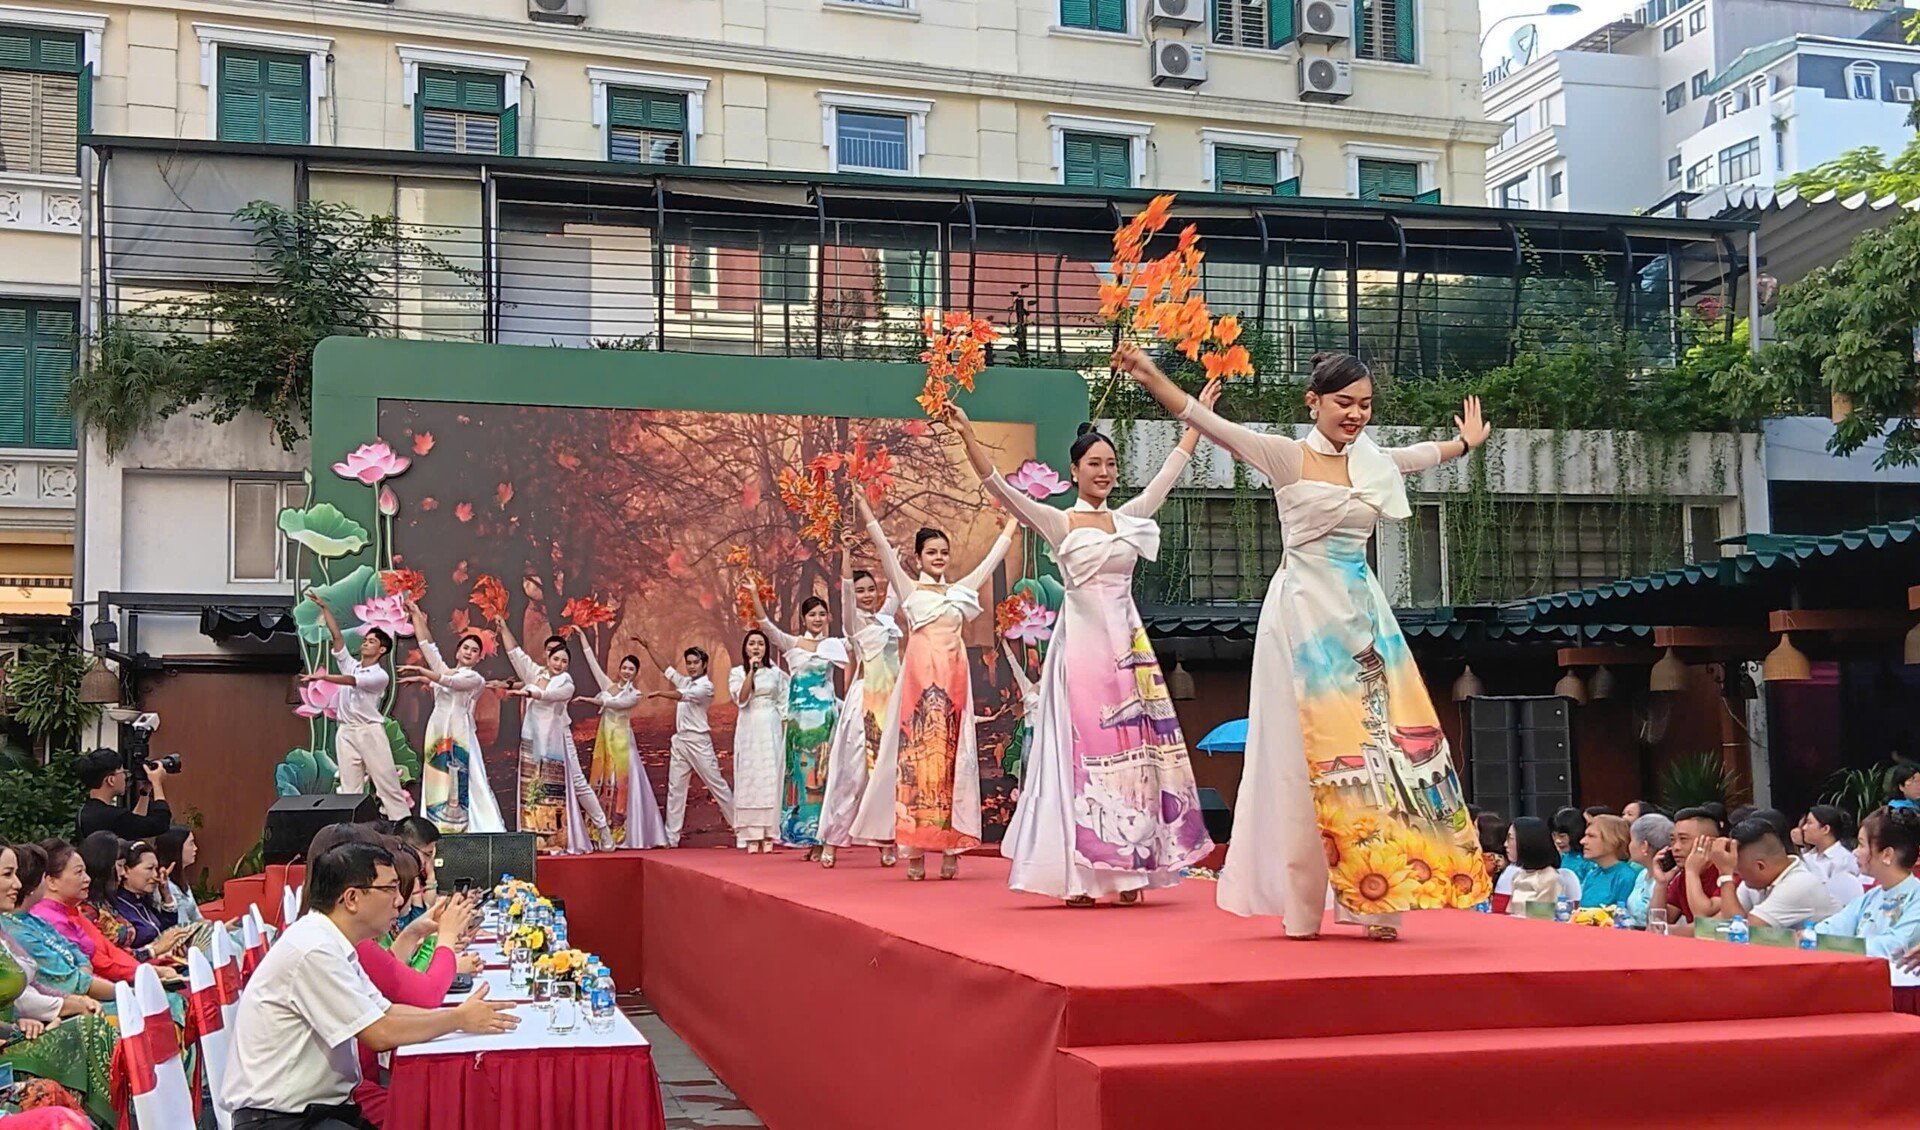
x: 854, y: 1000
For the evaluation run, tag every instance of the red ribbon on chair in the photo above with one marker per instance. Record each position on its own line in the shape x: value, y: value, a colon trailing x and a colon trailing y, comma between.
x: 131, y: 1073
x: 227, y: 978
x: 203, y: 1012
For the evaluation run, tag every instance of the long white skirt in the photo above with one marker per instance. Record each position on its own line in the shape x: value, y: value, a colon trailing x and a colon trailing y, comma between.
x: 846, y: 770
x: 759, y: 767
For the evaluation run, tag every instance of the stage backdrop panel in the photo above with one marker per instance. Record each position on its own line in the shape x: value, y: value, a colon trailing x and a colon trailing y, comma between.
x: 625, y: 477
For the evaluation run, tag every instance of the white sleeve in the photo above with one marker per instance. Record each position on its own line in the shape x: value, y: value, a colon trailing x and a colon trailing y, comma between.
x: 780, y: 639
x: 1275, y: 456
x: 1047, y: 521
x: 523, y: 665
x: 436, y: 663
x: 1417, y: 457
x: 991, y: 562
x: 679, y: 681
x: 463, y: 679
x: 1148, y: 500
x: 559, y: 688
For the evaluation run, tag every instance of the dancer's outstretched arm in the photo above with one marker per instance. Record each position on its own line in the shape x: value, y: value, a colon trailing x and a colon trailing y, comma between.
x: 1150, y: 499
x: 780, y: 639
x: 1050, y: 523
x: 1275, y: 456
x: 993, y: 559
x: 883, y: 549
x: 1473, y: 431
x: 593, y: 664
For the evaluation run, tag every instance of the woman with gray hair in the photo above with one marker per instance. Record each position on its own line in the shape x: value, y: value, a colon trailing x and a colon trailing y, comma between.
x: 1649, y: 836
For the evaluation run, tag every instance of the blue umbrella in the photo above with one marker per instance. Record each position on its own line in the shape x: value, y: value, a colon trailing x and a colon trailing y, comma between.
x: 1227, y: 737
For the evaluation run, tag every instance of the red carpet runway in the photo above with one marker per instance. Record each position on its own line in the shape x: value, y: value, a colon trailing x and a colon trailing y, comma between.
x: 854, y: 1000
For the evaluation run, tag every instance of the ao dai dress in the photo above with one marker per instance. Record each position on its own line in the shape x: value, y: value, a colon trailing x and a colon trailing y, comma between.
x: 454, y: 792
x: 617, y: 775
x: 549, y: 806
x: 925, y: 789
x: 1109, y: 802
x: 1348, y: 777
x: 875, y: 639
x: 810, y: 716
x: 759, y: 753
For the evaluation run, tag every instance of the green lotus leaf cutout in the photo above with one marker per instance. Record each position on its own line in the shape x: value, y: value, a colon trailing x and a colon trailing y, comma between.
x: 305, y: 771
x: 356, y: 588
x: 324, y: 530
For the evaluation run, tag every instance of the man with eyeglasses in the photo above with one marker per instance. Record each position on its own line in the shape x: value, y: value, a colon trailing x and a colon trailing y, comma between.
x: 293, y: 1065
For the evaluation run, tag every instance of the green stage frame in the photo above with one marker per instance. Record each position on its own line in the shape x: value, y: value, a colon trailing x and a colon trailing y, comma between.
x: 352, y: 375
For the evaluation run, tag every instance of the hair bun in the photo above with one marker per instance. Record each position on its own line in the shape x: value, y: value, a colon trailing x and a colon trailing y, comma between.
x: 1322, y: 357
x: 1084, y: 428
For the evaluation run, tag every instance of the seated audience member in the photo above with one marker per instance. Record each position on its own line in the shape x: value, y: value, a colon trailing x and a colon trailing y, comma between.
x: 1611, y: 876
x: 295, y: 1059
x: 177, y: 852
x: 1824, y: 837
x: 144, y: 904
x: 105, y: 857
x: 1635, y: 809
x: 1777, y: 888
x: 1904, y: 787
x: 1647, y: 837
x: 1533, y: 873
x: 1569, y: 826
x: 58, y: 1038
x: 104, y: 775
x: 1492, y: 828
x: 61, y: 964
x: 1683, y: 869
x: 68, y: 884
x: 418, y: 831
x: 1718, y: 811
x: 1888, y: 917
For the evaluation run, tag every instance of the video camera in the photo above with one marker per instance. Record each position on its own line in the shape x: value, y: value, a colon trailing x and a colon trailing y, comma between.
x: 138, y: 759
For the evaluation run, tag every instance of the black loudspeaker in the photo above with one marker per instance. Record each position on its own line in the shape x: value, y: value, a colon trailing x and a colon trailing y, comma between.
x: 293, y: 821
x: 1218, y: 816
x: 1520, y: 754
x: 482, y: 858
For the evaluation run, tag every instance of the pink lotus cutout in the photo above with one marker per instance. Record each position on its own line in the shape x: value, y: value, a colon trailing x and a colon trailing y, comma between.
x: 388, y: 613
x: 371, y: 462
x: 389, y: 502
x: 1039, y: 481
x: 1036, y: 626
x: 317, y: 699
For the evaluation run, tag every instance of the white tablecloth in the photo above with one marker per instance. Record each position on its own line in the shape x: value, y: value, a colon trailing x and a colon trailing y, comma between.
x: 533, y: 1031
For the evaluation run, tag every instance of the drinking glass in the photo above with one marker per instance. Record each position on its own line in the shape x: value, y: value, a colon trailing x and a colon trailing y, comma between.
x: 563, y: 1009
x: 519, y: 965
x: 1657, y: 920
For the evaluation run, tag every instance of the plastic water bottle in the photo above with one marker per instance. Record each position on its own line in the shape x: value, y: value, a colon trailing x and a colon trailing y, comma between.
x: 1808, y: 938
x: 600, y: 1003
x: 559, y: 930
x: 1562, y: 909
x: 1484, y: 906
x: 1737, y: 931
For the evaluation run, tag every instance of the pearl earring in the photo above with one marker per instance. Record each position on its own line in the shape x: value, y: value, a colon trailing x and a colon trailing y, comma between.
x: 1313, y: 413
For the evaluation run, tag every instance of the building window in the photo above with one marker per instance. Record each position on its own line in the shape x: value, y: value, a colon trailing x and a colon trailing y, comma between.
x: 1863, y: 81
x: 1700, y: 173
x: 1252, y: 171
x: 1697, y: 20
x: 646, y: 126
x: 1556, y: 185
x: 1094, y: 15
x: 1703, y: 533
x: 1208, y: 556
x: 1671, y: 35
x: 867, y: 141
x: 38, y: 347
x: 259, y: 550
x: 1252, y: 23
x: 1512, y: 194
x: 1676, y: 98
x: 1780, y: 147
x: 465, y: 112
x: 786, y: 274
x: 1699, y: 87
x: 1740, y: 162
x: 1673, y: 167
x: 44, y: 97
x: 1385, y: 30
x: 1091, y: 160
x: 910, y: 277
x: 1388, y: 180
x: 263, y: 97
x: 1553, y: 109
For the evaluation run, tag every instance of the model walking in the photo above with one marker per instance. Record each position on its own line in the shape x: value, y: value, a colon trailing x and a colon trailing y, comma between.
x: 810, y: 716
x: 1348, y: 776
x: 454, y: 791
x: 1109, y: 806
x: 759, y: 689
x: 925, y: 788
x: 873, y: 633
x: 556, y: 803
x: 690, y: 751
x: 618, y: 778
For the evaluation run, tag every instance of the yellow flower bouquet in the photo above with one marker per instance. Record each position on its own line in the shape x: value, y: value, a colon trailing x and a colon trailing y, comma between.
x: 533, y: 939
x: 563, y: 965
x: 1593, y: 916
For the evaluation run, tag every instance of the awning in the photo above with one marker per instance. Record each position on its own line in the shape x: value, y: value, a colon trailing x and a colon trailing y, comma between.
x: 36, y: 596
x: 222, y: 622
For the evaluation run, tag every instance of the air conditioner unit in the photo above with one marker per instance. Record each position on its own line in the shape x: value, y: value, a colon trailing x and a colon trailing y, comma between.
x: 1176, y: 13
x: 1903, y: 94
x: 1325, y: 80
x: 558, y: 11
x: 1326, y: 21
x: 1178, y: 63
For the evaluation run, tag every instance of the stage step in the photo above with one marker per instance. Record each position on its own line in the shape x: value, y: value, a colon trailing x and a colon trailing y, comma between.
x: 1852, y: 1070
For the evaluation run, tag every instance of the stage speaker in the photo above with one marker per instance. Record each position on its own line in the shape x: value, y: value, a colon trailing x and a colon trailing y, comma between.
x: 293, y: 821
x: 482, y: 858
x: 1218, y: 816
x: 1520, y: 759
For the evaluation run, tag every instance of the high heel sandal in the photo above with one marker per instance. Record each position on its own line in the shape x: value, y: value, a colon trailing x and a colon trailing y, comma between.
x: 916, y: 867
x: 1080, y: 902
x: 1134, y: 897
x: 1382, y: 934
x: 826, y: 857
x: 950, y: 865
x: 889, y: 856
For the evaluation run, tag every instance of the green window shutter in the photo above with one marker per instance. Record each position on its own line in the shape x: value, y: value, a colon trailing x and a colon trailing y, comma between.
x: 463, y: 90
x: 1405, y: 31
x: 510, y: 132
x: 1229, y: 166
x: 1092, y: 161
x: 263, y: 97
x: 1431, y: 196
x: 53, y: 364
x: 1288, y: 187
x: 1388, y: 179
x: 1076, y: 13
x: 15, y: 348
x: 1077, y: 162
x: 647, y: 109
x: 1245, y: 168
x: 1110, y: 15
x: 1115, y: 158
x: 1280, y: 22
x: 50, y: 52
x: 85, y: 104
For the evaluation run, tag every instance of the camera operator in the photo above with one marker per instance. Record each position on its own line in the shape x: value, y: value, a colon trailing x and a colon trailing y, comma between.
x: 104, y: 773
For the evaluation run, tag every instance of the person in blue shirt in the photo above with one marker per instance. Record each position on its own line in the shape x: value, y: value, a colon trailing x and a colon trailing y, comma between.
x: 1904, y: 787
x: 1610, y: 876
x: 1569, y: 830
x: 1648, y: 836
x: 1888, y: 917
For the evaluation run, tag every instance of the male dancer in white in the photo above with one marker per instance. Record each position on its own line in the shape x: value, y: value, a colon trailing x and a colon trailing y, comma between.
x: 692, y: 744
x: 361, y: 747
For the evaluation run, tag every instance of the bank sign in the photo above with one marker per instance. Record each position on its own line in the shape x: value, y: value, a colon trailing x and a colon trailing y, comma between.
x: 1521, y: 49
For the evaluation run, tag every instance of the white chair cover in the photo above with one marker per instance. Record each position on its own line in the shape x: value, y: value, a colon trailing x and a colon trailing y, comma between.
x: 216, y: 1037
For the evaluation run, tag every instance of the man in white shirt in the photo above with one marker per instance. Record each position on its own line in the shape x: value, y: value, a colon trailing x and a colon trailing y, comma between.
x: 361, y: 747
x: 293, y: 1065
x: 691, y: 749
x: 1777, y: 887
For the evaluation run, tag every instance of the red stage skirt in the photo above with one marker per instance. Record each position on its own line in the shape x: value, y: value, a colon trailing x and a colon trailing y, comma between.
x: 536, y: 1089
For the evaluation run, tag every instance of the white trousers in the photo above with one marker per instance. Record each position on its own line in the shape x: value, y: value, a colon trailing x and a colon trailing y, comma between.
x: 588, y: 801
x: 691, y: 754
x: 364, y: 754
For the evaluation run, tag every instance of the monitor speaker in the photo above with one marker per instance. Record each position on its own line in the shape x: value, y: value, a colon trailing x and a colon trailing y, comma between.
x: 1218, y: 816
x: 293, y: 821
x: 482, y: 858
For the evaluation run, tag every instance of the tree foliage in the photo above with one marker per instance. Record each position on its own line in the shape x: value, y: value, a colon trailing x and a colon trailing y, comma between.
x: 1865, y: 169
x: 43, y: 693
